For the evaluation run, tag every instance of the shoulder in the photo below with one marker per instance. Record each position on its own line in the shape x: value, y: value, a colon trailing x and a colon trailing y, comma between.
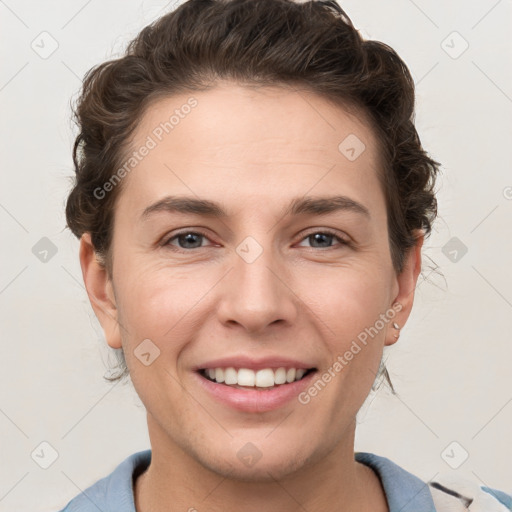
x: 114, y: 491
x: 444, y: 493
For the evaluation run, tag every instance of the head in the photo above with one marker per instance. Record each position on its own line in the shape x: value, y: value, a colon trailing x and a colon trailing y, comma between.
x: 249, y: 182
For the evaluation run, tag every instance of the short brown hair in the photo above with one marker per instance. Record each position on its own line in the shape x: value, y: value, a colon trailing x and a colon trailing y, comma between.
x: 313, y: 45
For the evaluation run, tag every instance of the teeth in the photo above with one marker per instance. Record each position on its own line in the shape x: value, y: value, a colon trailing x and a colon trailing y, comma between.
x: 280, y: 376
x: 265, y: 378
x: 299, y: 373
x: 230, y: 376
x: 218, y: 375
x: 245, y: 377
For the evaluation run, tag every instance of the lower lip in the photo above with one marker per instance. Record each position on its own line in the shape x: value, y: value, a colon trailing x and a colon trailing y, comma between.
x: 255, y: 400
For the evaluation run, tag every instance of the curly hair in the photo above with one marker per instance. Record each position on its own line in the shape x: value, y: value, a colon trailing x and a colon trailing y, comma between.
x: 310, y: 44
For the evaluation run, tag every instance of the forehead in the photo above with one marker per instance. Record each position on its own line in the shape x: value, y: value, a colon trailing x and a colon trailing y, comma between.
x: 237, y: 140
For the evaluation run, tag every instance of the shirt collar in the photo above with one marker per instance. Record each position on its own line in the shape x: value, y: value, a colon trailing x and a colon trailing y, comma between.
x: 404, y: 491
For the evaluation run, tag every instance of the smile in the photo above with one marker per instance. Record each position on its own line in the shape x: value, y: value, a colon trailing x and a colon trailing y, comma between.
x: 244, y: 377
x: 258, y: 390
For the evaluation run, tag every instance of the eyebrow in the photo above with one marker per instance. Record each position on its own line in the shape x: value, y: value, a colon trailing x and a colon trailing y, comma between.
x: 298, y: 206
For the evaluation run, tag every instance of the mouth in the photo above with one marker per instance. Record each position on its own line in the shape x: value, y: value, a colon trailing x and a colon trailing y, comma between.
x: 264, y: 379
x: 251, y: 384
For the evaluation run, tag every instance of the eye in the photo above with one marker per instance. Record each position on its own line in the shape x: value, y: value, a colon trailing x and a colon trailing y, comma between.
x: 186, y: 240
x: 193, y: 240
x: 324, y: 237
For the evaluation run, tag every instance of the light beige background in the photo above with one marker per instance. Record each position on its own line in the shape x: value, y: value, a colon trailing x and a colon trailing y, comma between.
x: 452, y: 365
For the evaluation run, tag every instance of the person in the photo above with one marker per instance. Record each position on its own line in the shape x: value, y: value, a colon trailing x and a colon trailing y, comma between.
x: 251, y: 200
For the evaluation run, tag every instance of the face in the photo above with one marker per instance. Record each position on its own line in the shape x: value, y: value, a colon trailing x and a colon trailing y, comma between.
x: 284, y: 264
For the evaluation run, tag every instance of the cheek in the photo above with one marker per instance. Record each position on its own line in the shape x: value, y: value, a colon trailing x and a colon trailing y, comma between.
x: 348, y: 306
x: 155, y: 310
x: 161, y: 304
x: 348, y: 298
x: 151, y: 295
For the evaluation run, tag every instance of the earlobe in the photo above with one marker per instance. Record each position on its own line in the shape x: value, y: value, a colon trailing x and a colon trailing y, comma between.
x: 100, y: 291
x: 406, y: 281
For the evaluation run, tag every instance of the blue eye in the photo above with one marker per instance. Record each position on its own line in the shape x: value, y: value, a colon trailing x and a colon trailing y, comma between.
x: 323, y: 237
x: 188, y: 240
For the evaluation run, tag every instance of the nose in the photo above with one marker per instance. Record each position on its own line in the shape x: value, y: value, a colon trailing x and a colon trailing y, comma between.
x: 257, y: 294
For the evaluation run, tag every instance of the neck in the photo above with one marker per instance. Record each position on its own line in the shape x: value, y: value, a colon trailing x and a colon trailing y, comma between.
x: 175, y: 481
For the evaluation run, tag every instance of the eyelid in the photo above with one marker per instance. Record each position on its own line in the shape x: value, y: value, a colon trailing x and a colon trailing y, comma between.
x: 343, y: 239
x: 196, y: 231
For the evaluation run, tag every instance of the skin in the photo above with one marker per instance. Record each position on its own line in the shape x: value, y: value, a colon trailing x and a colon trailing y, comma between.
x: 253, y: 151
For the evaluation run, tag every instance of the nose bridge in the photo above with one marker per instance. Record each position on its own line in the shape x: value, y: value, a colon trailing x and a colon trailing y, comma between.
x: 253, y: 267
x: 256, y: 295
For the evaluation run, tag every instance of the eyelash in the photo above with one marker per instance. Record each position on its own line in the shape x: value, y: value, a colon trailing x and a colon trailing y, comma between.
x: 342, y: 241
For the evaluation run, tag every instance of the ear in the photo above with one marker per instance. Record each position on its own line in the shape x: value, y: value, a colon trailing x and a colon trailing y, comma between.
x: 406, y: 282
x: 100, y: 291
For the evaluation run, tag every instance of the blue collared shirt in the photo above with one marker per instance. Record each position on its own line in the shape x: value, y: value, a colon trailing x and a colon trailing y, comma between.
x: 404, y: 491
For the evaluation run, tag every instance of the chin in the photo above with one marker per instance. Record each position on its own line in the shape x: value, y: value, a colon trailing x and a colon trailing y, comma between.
x: 247, y: 465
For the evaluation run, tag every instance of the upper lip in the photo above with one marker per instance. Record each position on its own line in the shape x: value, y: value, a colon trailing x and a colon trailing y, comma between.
x: 253, y: 363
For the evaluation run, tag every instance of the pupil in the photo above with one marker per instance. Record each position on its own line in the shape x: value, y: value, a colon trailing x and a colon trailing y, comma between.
x: 317, y: 237
x: 189, y: 237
